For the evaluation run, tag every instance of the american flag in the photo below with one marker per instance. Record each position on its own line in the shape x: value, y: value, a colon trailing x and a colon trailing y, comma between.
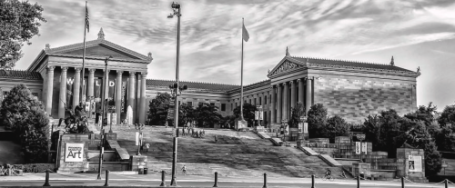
x: 86, y: 18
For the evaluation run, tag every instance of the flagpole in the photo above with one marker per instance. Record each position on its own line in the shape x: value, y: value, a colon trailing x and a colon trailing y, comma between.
x: 83, y: 57
x: 241, y: 79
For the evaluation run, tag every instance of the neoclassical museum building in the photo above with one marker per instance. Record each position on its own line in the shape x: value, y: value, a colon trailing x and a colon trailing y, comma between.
x: 352, y: 90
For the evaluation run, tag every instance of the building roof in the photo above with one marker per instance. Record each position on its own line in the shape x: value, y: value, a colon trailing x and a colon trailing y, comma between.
x: 20, y: 74
x: 192, y: 85
x: 252, y: 86
x: 349, y: 63
x: 95, y: 49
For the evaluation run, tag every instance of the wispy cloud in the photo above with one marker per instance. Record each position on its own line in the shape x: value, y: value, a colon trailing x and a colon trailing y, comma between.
x: 211, y: 31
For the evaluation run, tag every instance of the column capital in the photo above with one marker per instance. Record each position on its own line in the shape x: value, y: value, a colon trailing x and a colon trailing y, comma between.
x: 108, y: 70
x: 119, y: 72
x: 292, y: 82
x: 91, y: 70
x: 132, y: 73
x: 144, y: 74
x: 51, y: 68
x: 64, y: 69
x: 78, y: 69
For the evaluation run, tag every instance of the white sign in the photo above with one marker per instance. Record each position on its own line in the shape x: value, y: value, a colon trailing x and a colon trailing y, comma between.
x: 357, y: 147
x: 74, y: 152
x: 415, y: 163
x: 364, y: 147
x: 258, y: 115
x: 137, y: 138
x: 305, y: 127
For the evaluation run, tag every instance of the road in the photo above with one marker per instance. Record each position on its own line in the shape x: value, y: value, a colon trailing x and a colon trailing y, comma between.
x: 196, y: 183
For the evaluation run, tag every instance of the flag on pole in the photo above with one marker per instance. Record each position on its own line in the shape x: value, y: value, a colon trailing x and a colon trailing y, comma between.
x: 86, y: 18
x: 245, y: 34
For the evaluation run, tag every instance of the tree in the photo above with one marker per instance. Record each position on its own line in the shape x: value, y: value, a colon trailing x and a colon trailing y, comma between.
x: 159, y: 109
x: 248, y: 113
x: 423, y: 113
x: 206, y: 115
x: 186, y: 114
x: 317, y: 119
x: 447, y: 116
x: 296, y: 112
x: 25, y: 115
x: 336, y: 126
x: 19, y: 22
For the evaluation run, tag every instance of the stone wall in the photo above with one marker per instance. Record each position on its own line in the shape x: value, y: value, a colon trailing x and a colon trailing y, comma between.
x: 354, y: 98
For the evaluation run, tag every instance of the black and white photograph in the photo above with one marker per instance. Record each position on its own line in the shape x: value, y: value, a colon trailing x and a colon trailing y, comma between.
x: 227, y: 93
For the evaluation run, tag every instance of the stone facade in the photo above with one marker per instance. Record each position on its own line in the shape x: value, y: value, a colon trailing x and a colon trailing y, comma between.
x: 352, y: 90
x: 355, y: 98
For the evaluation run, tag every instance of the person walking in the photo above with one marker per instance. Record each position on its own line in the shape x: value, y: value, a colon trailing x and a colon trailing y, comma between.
x: 184, y: 169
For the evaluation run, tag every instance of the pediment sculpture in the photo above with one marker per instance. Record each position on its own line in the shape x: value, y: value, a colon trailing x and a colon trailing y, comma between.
x: 286, y: 66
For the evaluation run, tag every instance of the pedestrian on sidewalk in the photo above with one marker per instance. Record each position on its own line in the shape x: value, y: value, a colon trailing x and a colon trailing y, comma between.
x: 184, y: 169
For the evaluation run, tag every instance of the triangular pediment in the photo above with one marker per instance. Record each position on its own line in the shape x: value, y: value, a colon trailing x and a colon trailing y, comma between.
x: 98, y: 48
x: 101, y: 51
x: 285, y: 65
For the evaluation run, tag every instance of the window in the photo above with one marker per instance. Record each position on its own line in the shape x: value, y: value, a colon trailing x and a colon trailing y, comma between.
x: 260, y: 100
x: 223, y: 107
x: 255, y: 101
x: 232, y: 106
x: 189, y: 103
x: 265, y: 99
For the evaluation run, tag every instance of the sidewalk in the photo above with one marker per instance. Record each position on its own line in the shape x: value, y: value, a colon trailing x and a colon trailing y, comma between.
x: 113, y: 176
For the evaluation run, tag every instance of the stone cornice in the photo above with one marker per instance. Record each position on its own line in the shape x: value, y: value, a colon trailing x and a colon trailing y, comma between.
x: 307, y: 64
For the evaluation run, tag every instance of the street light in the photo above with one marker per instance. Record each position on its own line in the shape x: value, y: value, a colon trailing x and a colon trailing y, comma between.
x: 175, y: 90
x: 103, y: 105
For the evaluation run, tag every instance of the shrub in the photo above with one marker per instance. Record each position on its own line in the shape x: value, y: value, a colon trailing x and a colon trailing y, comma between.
x: 22, y: 112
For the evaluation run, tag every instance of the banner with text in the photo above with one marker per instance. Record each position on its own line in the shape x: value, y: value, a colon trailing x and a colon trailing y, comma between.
x: 69, y: 92
x: 74, y: 152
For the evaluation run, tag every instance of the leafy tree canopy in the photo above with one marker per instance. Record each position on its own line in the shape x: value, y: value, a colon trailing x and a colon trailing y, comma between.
x: 158, y: 109
x: 23, y: 113
x: 248, y: 113
x: 19, y: 22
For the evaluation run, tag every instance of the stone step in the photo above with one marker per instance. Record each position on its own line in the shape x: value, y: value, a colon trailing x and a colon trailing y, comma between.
x: 308, y: 151
x: 276, y: 141
x: 329, y: 160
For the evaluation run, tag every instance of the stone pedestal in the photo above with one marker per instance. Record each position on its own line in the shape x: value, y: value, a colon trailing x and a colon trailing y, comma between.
x: 239, y: 124
x: 111, y: 136
x: 138, y: 162
x: 411, y: 163
x: 64, y: 161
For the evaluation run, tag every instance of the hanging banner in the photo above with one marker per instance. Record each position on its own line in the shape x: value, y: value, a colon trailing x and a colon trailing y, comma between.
x: 305, y: 127
x: 415, y: 163
x: 357, y: 147
x: 364, y: 147
x: 84, y: 90
x: 111, y: 92
x: 97, y: 93
x: 123, y: 96
x: 74, y: 152
x: 97, y: 88
x: 69, y: 92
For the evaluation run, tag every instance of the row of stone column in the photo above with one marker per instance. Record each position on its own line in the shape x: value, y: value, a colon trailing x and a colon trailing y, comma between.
x: 141, y: 111
x: 282, y: 106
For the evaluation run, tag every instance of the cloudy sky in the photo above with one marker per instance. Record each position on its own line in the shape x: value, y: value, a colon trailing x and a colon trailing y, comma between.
x: 416, y: 32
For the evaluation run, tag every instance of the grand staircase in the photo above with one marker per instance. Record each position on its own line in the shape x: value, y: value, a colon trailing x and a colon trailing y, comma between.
x: 233, y: 154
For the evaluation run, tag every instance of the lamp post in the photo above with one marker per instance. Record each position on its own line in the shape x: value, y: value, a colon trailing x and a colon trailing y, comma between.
x: 175, y: 90
x: 103, y: 105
